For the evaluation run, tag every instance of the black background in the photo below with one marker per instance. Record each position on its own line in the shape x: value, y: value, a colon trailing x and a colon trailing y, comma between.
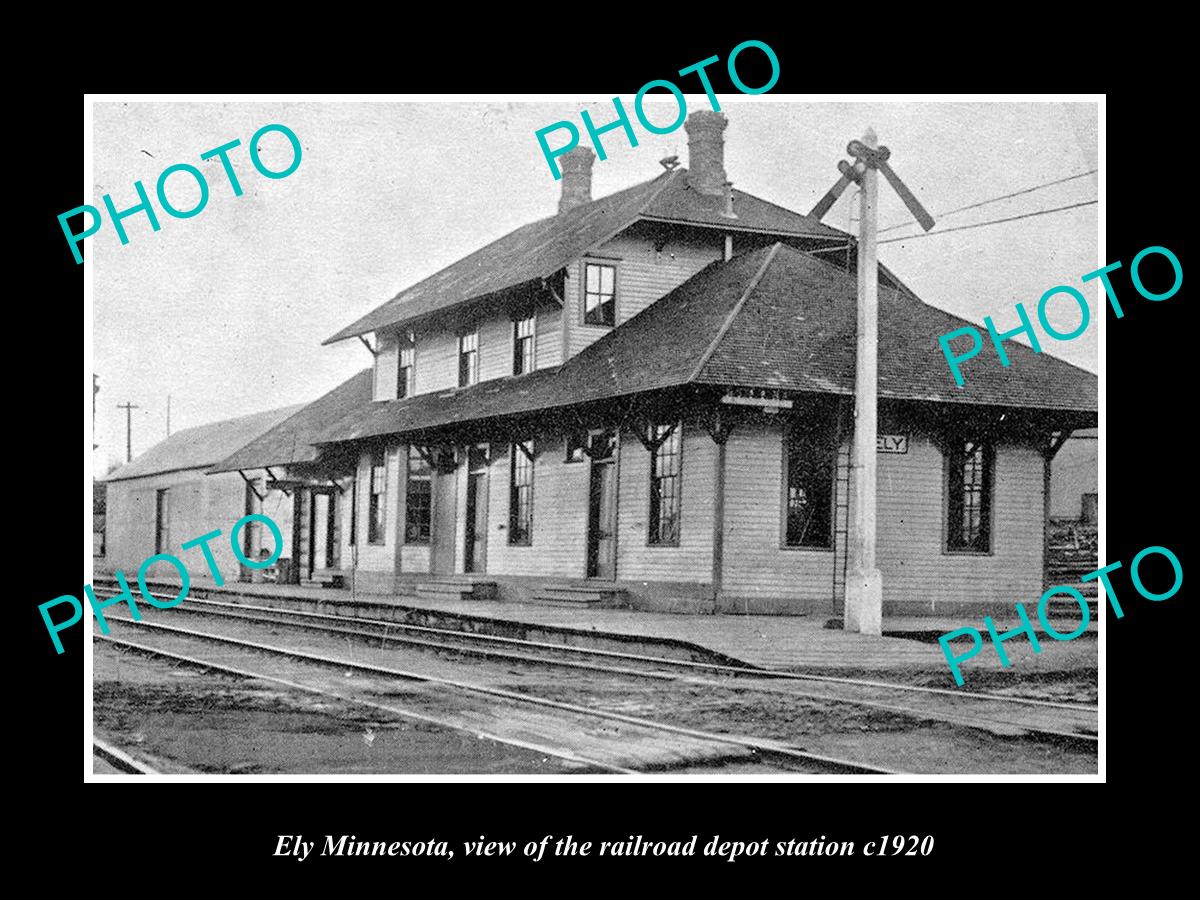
x: 213, y: 834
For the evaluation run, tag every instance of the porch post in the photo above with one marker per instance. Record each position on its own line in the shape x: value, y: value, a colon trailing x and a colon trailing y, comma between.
x: 718, y: 552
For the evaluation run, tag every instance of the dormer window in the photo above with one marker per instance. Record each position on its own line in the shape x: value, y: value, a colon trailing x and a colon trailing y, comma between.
x: 468, y: 358
x: 405, y: 372
x: 600, y: 294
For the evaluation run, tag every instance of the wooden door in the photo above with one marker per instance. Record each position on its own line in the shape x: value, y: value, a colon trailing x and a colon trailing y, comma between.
x: 322, y: 526
x: 602, y: 526
x: 476, y: 524
x: 441, y: 561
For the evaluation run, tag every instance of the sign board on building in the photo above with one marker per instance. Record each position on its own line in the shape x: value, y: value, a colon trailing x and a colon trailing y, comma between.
x: 891, y: 443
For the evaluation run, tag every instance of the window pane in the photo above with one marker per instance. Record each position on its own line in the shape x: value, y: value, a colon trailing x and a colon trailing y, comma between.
x: 599, y: 295
x: 520, y: 509
x: 665, y: 485
x: 602, y: 445
x: 811, y: 457
x: 969, y: 497
x: 417, y: 499
x: 377, y: 508
x: 523, y: 335
x: 576, y: 441
x: 468, y: 370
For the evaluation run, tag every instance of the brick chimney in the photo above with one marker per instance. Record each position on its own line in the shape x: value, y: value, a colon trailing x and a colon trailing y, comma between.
x: 576, y: 178
x: 706, y: 152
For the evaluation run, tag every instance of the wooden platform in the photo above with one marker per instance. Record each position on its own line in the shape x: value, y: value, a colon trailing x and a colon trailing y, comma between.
x: 772, y: 642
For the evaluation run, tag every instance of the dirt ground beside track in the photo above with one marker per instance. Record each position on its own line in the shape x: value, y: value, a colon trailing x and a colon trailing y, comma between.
x: 212, y: 723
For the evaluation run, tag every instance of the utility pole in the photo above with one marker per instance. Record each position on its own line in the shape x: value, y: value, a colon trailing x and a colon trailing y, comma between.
x: 864, y: 583
x: 129, y: 408
x: 168, y: 415
x: 864, y: 586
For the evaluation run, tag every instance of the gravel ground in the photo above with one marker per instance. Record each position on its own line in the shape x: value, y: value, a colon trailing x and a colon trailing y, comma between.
x: 218, y: 724
x: 839, y: 729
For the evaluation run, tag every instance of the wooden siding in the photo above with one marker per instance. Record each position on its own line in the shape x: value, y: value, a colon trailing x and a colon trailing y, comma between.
x: 560, y: 497
x: 755, y: 563
x: 495, y: 348
x: 911, y: 498
x: 644, y: 275
x: 198, y: 504
x: 916, y: 570
x: 387, y: 361
x: 436, y: 356
x: 911, y: 555
x: 436, y: 362
x: 382, y: 557
x: 637, y: 559
x: 549, y: 337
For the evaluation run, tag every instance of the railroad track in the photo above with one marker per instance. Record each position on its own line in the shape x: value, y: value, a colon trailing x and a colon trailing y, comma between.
x: 593, y: 727
x: 1064, y: 723
x: 119, y: 759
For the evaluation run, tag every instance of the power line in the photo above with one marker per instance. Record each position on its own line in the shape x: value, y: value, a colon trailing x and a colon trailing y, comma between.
x: 1036, y: 187
x: 936, y: 232
x: 1040, y: 212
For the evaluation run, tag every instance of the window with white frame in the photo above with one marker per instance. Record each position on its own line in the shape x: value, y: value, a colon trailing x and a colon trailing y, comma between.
x: 524, y: 331
x: 599, y: 294
x: 520, y: 496
x: 468, y: 358
x: 666, y: 477
x: 406, y: 371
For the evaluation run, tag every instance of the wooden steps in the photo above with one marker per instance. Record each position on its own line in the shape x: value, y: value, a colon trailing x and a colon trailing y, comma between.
x: 601, y: 595
x: 455, y: 587
x: 330, y: 578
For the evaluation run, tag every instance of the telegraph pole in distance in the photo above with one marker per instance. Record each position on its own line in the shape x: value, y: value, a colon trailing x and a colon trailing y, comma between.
x: 95, y: 391
x: 129, y: 408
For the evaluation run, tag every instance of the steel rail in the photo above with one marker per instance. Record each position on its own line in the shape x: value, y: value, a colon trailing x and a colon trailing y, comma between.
x: 397, y: 711
x: 966, y: 720
x: 764, y: 747
x: 119, y: 759
x: 985, y: 722
x: 747, y: 671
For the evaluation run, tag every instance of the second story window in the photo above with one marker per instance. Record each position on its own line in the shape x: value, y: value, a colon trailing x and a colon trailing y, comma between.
x: 600, y: 294
x: 523, y: 344
x: 406, y: 372
x: 468, y: 358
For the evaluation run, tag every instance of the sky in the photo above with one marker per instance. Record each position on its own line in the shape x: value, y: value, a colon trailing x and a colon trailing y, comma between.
x: 225, y: 311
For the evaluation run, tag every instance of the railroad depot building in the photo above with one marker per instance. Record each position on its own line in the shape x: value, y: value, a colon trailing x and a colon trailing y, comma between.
x: 647, y: 400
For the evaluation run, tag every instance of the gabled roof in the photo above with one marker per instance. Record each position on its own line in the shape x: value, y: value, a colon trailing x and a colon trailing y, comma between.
x: 774, y: 318
x: 291, y: 441
x: 540, y: 249
x: 202, y: 446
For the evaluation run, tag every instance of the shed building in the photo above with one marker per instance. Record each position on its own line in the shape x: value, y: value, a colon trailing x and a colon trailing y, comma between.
x: 164, y: 498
